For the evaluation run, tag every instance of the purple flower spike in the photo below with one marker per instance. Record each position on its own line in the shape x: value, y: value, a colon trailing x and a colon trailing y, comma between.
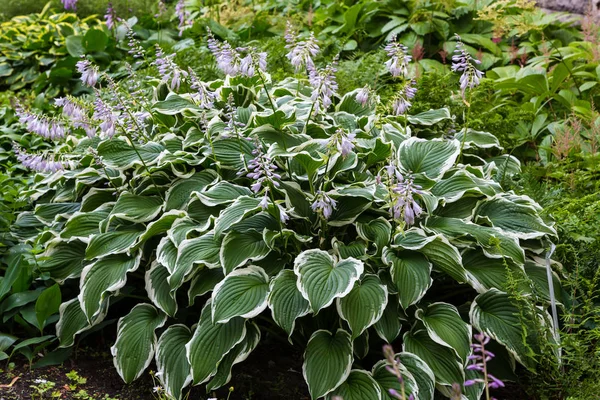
x: 69, y: 4
x: 168, y: 70
x: 480, y: 357
x: 324, y: 204
x: 37, y: 162
x: 402, y: 102
x: 261, y: 169
x: 343, y: 141
x: 324, y: 85
x: 463, y: 62
x: 398, y: 63
x: 183, y: 15
x: 402, y: 191
x: 302, y: 52
x: 89, y: 73
x: 110, y: 17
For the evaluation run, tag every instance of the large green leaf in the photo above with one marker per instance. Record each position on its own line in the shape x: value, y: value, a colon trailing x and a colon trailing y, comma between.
x: 47, y: 304
x: 321, y: 278
x: 64, y: 260
x: 388, y: 327
x: 359, y: 385
x: 494, y: 314
x: 210, y: 343
x: 442, y: 360
x: 327, y: 361
x: 117, y: 153
x: 445, y: 326
x: 136, y: 208
x: 71, y: 321
x: 285, y: 301
x: 159, y: 290
x: 422, y: 374
x: 81, y: 225
x: 223, y: 193
x: 243, y: 293
x: 378, y: 231
x: 178, y: 196
x: 364, y: 305
x: 463, y: 182
x: 171, y: 363
x: 103, y: 278
x: 203, y: 282
x: 114, y: 242
x: 410, y: 273
x: 431, y: 157
x: 200, y: 250
x: 235, y: 213
x: 134, y: 349
x: 239, y: 248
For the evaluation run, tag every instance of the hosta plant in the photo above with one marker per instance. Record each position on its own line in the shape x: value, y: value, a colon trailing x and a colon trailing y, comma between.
x: 210, y: 210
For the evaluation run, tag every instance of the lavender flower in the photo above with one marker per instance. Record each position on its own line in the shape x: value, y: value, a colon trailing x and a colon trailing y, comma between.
x: 362, y: 97
x: 402, y: 102
x: 393, y: 367
x: 480, y: 357
x: 89, y: 73
x: 401, y: 190
x: 398, y: 63
x: 324, y: 204
x: 283, y: 216
x: 463, y: 62
x: 135, y: 47
x: 252, y: 60
x: 324, y: 85
x: 78, y: 116
x: 168, y: 70
x: 162, y: 9
x: 37, y: 162
x: 301, y: 52
x: 40, y: 125
x: 69, y: 4
x: 203, y: 96
x: 104, y: 114
x: 343, y: 141
x: 110, y: 16
x: 261, y: 169
x: 231, y: 117
x: 228, y: 59
x: 183, y: 15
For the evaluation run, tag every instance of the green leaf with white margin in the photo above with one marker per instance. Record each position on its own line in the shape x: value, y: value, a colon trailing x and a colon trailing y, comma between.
x: 223, y: 193
x: 158, y: 289
x: 134, y: 208
x: 239, y: 248
x: 517, y: 215
x: 442, y: 360
x: 47, y: 304
x: 431, y: 157
x: 134, y: 349
x: 117, y: 153
x: 436, y: 248
x: 322, y: 279
x: 238, y: 354
x: 477, y: 139
x: 388, y: 327
x: 203, y: 282
x: 166, y: 253
x: 178, y: 195
x: 348, y: 209
x: 386, y: 380
x: 364, y: 305
x: 378, y: 231
x: 422, y: 374
x: 235, y: 213
x: 114, y: 242
x: 243, y: 293
x: 410, y: 273
x: 83, y: 224
x: 200, y: 250
x: 171, y: 364
x: 72, y: 321
x: 430, y: 117
x: 462, y: 182
x: 286, y: 301
x: 327, y: 361
x: 101, y: 279
x: 445, y: 326
x: 210, y: 343
x: 492, y: 272
x: 63, y: 260
x: 494, y: 314
x: 359, y: 385
x: 160, y: 226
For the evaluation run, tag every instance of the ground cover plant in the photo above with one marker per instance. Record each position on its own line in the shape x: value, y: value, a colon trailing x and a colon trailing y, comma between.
x: 270, y: 184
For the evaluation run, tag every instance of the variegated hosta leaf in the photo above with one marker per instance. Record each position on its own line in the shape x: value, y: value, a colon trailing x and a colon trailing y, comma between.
x: 235, y: 213
x: 160, y: 226
x: 285, y: 301
x: 388, y: 327
x: 223, y: 193
x: 462, y: 182
x: 494, y: 314
x: 171, y: 363
x: 410, y: 273
x: 118, y: 154
x: 442, y: 360
x: 238, y: 354
x: 243, y: 293
x: 103, y: 278
x: 134, y: 349
x: 386, y: 380
x: 327, y: 361
x: 203, y: 282
x: 159, y: 290
x: 200, y: 250
x: 84, y: 224
x: 210, y: 343
x: 359, y: 385
x: 490, y: 272
x: 134, y: 208
x: 114, y: 242
x: 431, y: 157
x: 436, y: 248
x: 378, y: 231
x: 64, y: 260
x: 445, y: 326
x: 238, y: 248
x: 49, y: 212
x: 364, y: 305
x: 73, y: 321
x: 516, y: 215
x: 322, y: 279
x: 422, y: 374
x: 178, y: 196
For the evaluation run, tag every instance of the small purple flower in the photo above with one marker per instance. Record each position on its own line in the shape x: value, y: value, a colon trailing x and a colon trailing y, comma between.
x: 402, y: 102
x: 69, y: 4
x: 480, y: 357
x: 89, y: 73
x: 168, y: 70
x: 183, y: 15
x: 135, y: 47
x: 110, y: 17
x: 401, y: 191
x: 253, y: 60
x: 324, y: 85
x: 37, y: 162
x: 40, y: 125
x: 203, y: 96
x: 105, y: 115
x: 261, y: 169
x: 398, y: 63
x: 301, y: 52
x: 162, y: 9
x: 463, y: 62
x: 324, y: 204
x: 343, y: 141
x: 362, y: 97
x: 228, y: 59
